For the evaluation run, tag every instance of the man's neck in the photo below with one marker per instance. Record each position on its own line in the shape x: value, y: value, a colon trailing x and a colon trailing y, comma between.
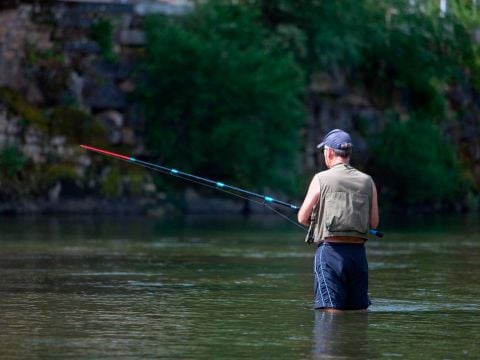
x: 338, y: 162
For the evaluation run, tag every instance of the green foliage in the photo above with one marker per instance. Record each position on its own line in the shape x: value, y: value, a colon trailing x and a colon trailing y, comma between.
x: 221, y: 97
x: 416, y: 164
x: 473, y: 201
x: 111, y: 185
x: 407, y: 56
x: 36, y: 57
x: 12, y: 161
x: 388, y: 41
x: 221, y: 90
x: 420, y: 53
x: 102, y: 32
x: 136, y: 181
x: 333, y: 33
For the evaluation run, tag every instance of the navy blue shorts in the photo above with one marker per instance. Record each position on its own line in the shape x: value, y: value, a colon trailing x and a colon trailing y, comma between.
x: 341, y: 276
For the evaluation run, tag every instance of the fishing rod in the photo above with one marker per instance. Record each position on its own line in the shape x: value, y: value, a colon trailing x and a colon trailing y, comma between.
x: 266, y: 200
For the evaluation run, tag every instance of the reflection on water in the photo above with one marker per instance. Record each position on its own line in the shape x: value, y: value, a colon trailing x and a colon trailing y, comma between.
x: 340, y: 335
x: 86, y: 287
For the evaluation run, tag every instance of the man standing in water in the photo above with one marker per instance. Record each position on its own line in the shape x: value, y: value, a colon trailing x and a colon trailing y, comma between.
x: 344, y: 204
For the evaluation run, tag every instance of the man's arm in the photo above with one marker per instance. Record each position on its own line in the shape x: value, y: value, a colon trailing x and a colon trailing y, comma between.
x: 310, y: 200
x: 374, y: 216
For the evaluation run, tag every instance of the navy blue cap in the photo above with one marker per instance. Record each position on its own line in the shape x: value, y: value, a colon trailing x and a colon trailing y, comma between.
x: 336, y: 139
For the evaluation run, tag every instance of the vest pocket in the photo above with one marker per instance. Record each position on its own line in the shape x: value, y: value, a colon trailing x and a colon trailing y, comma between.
x: 346, y: 212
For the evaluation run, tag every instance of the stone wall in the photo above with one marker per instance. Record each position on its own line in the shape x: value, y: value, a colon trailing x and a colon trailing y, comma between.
x: 47, y: 61
x: 332, y: 104
x: 17, y: 32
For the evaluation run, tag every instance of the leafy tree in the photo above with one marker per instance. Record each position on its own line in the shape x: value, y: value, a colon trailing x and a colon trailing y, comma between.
x: 328, y: 35
x: 222, y: 85
x: 408, y: 57
x: 12, y: 161
x: 419, y: 52
x: 221, y: 96
x: 102, y: 32
x: 416, y: 164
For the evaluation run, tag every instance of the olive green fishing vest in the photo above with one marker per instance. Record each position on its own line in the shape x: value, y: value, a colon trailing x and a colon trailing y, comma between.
x: 344, y: 203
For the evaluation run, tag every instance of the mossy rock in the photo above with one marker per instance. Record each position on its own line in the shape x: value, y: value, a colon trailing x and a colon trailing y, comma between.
x: 58, y: 172
x: 77, y: 125
x: 17, y: 104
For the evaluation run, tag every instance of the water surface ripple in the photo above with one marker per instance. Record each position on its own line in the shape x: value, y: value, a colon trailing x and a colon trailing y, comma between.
x: 88, y: 288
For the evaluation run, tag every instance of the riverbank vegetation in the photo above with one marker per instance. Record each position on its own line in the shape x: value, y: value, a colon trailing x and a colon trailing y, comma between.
x: 231, y: 90
x: 222, y: 97
x: 222, y: 81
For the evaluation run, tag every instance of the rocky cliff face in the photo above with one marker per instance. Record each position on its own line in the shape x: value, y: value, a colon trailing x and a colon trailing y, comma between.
x: 333, y: 104
x: 58, y: 89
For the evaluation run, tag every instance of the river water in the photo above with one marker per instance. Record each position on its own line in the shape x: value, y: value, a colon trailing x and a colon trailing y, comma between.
x: 220, y: 288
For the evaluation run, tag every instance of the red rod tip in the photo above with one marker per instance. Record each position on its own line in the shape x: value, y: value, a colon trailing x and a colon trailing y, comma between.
x: 104, y: 152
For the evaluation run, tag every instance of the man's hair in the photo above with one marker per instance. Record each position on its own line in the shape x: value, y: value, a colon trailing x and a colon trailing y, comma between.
x: 343, y: 153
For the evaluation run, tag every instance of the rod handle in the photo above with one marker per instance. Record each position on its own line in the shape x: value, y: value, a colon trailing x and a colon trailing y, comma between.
x: 376, y: 233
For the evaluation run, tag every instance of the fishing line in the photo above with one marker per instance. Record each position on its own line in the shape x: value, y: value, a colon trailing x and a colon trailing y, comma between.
x: 228, y: 189
x: 180, y: 176
x: 260, y: 203
x: 285, y: 217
